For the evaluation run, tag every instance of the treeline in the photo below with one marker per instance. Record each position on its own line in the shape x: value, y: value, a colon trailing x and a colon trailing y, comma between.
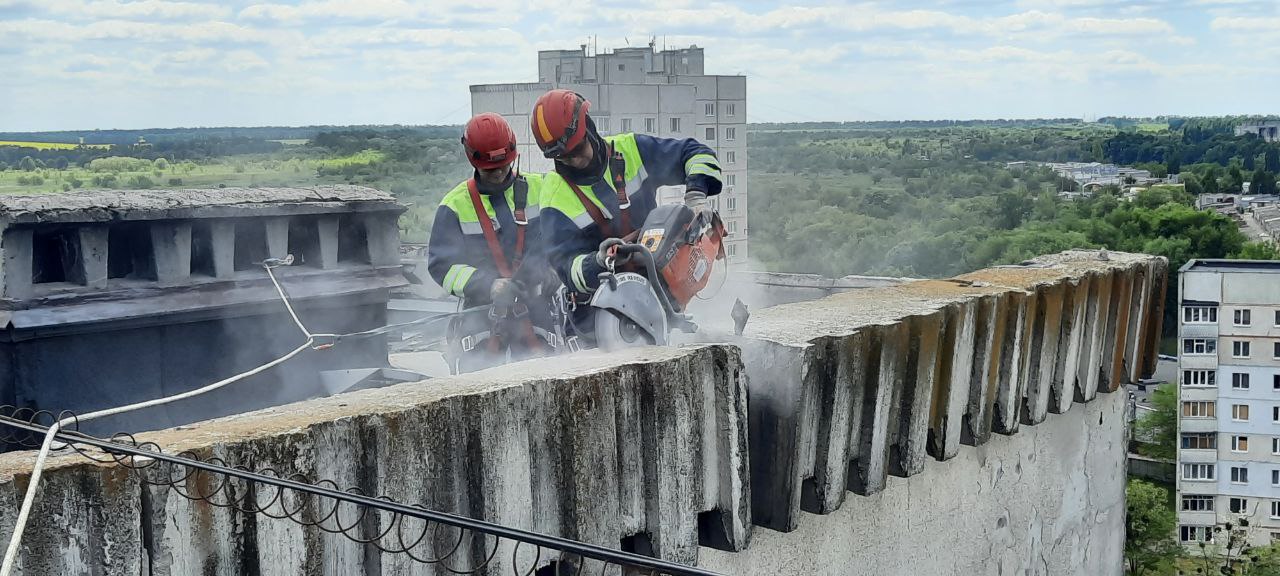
x: 159, y: 135
x: 897, y: 214
x: 902, y: 124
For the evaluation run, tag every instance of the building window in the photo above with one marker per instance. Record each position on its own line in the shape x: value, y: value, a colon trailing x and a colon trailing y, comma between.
x: 710, y: 108
x: 1202, y: 378
x: 1195, y: 533
x: 1200, y: 409
x: 1199, y: 346
x: 730, y: 133
x: 1239, y: 349
x: 732, y: 179
x: 1238, y: 506
x: 1239, y: 381
x: 675, y: 124
x: 1243, y: 317
x: 1197, y: 471
x: 626, y: 124
x: 1239, y: 443
x: 1275, y: 446
x: 1199, y: 315
x: 1275, y: 513
x: 651, y: 125
x: 730, y: 157
x: 729, y: 110
x: 733, y: 249
x: 1275, y: 477
x: 733, y: 203
x: 602, y: 124
x: 1275, y: 350
x: 711, y: 132
x: 1275, y: 413
x: 1197, y: 503
x: 1275, y: 382
x: 1239, y: 475
x: 1277, y: 320
x: 1200, y: 441
x: 1240, y: 412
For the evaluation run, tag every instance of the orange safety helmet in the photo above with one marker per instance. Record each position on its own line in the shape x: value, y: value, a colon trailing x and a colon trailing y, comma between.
x: 489, y: 141
x: 559, y: 121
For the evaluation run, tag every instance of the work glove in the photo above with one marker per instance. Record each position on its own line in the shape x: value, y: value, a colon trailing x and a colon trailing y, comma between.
x: 504, y: 292
x: 602, y: 254
x: 696, y: 200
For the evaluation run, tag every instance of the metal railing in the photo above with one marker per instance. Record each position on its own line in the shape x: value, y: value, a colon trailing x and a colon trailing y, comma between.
x: 425, y: 536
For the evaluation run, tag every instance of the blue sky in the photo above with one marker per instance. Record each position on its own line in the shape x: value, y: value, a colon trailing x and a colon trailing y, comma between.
x: 82, y: 64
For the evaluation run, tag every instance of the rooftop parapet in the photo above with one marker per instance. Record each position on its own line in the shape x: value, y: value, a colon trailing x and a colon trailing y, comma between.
x: 96, y: 245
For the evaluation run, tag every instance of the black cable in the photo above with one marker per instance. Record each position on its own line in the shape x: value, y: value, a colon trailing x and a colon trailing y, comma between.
x: 150, y: 451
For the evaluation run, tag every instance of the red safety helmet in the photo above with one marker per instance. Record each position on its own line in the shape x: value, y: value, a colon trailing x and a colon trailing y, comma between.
x: 559, y: 121
x: 489, y: 141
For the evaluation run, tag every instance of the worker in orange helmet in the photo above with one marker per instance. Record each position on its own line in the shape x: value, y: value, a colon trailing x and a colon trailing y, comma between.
x: 486, y: 248
x: 605, y: 187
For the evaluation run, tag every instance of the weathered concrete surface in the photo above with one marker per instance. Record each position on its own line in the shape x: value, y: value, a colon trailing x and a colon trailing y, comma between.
x: 102, y: 205
x: 588, y: 447
x: 850, y: 389
x: 1046, y: 501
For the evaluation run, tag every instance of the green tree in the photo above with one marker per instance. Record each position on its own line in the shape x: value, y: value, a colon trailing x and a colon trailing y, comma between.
x: 1149, y: 543
x: 1257, y: 251
x: 1209, y: 184
x: 161, y: 164
x: 1271, y: 160
x: 1236, y: 178
x: 1263, y: 182
x: 1192, y: 185
x: 1157, y: 430
x: 27, y: 164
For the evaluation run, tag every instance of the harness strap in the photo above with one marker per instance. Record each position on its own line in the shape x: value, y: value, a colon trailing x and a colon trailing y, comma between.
x: 618, y: 167
x: 491, y: 236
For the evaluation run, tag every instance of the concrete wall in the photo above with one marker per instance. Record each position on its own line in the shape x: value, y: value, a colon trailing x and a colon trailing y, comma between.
x: 967, y: 426
x: 1047, y: 501
x: 596, y: 449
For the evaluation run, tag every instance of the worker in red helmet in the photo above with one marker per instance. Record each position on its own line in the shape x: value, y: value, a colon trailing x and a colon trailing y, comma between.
x: 605, y: 186
x: 486, y: 248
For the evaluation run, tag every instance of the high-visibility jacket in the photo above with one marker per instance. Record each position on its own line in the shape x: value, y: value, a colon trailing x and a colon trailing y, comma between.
x: 459, y: 257
x: 568, y: 227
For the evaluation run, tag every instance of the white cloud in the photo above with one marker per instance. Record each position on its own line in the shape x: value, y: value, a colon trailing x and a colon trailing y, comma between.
x: 241, y: 60
x: 1243, y: 24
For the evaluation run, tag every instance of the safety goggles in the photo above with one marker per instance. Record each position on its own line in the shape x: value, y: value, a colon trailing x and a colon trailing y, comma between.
x: 557, y: 150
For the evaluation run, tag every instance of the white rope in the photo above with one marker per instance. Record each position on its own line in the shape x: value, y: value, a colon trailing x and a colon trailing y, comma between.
x: 15, y: 542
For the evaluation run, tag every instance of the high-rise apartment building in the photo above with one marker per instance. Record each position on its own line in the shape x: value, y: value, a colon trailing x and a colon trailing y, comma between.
x: 1229, y: 398
x: 647, y: 91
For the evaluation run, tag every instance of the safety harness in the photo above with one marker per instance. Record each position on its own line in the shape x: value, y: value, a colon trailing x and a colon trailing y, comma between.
x: 618, y: 167
x: 521, y: 193
x: 506, y: 270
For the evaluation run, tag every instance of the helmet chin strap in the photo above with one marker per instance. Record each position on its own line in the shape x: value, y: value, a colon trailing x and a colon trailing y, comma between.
x: 594, y: 171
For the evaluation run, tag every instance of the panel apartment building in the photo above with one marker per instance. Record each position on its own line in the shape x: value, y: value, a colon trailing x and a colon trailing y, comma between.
x: 1229, y: 394
x: 647, y: 91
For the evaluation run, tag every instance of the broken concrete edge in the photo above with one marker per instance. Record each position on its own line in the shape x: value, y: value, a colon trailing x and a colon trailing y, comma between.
x: 834, y: 410
x: 155, y: 204
x: 647, y: 442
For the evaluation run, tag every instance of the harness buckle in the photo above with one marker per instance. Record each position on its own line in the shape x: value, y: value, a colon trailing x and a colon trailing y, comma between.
x: 468, y: 343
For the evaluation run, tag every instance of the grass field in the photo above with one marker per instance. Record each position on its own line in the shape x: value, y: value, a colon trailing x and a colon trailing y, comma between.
x: 49, y: 145
x: 1153, y: 127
